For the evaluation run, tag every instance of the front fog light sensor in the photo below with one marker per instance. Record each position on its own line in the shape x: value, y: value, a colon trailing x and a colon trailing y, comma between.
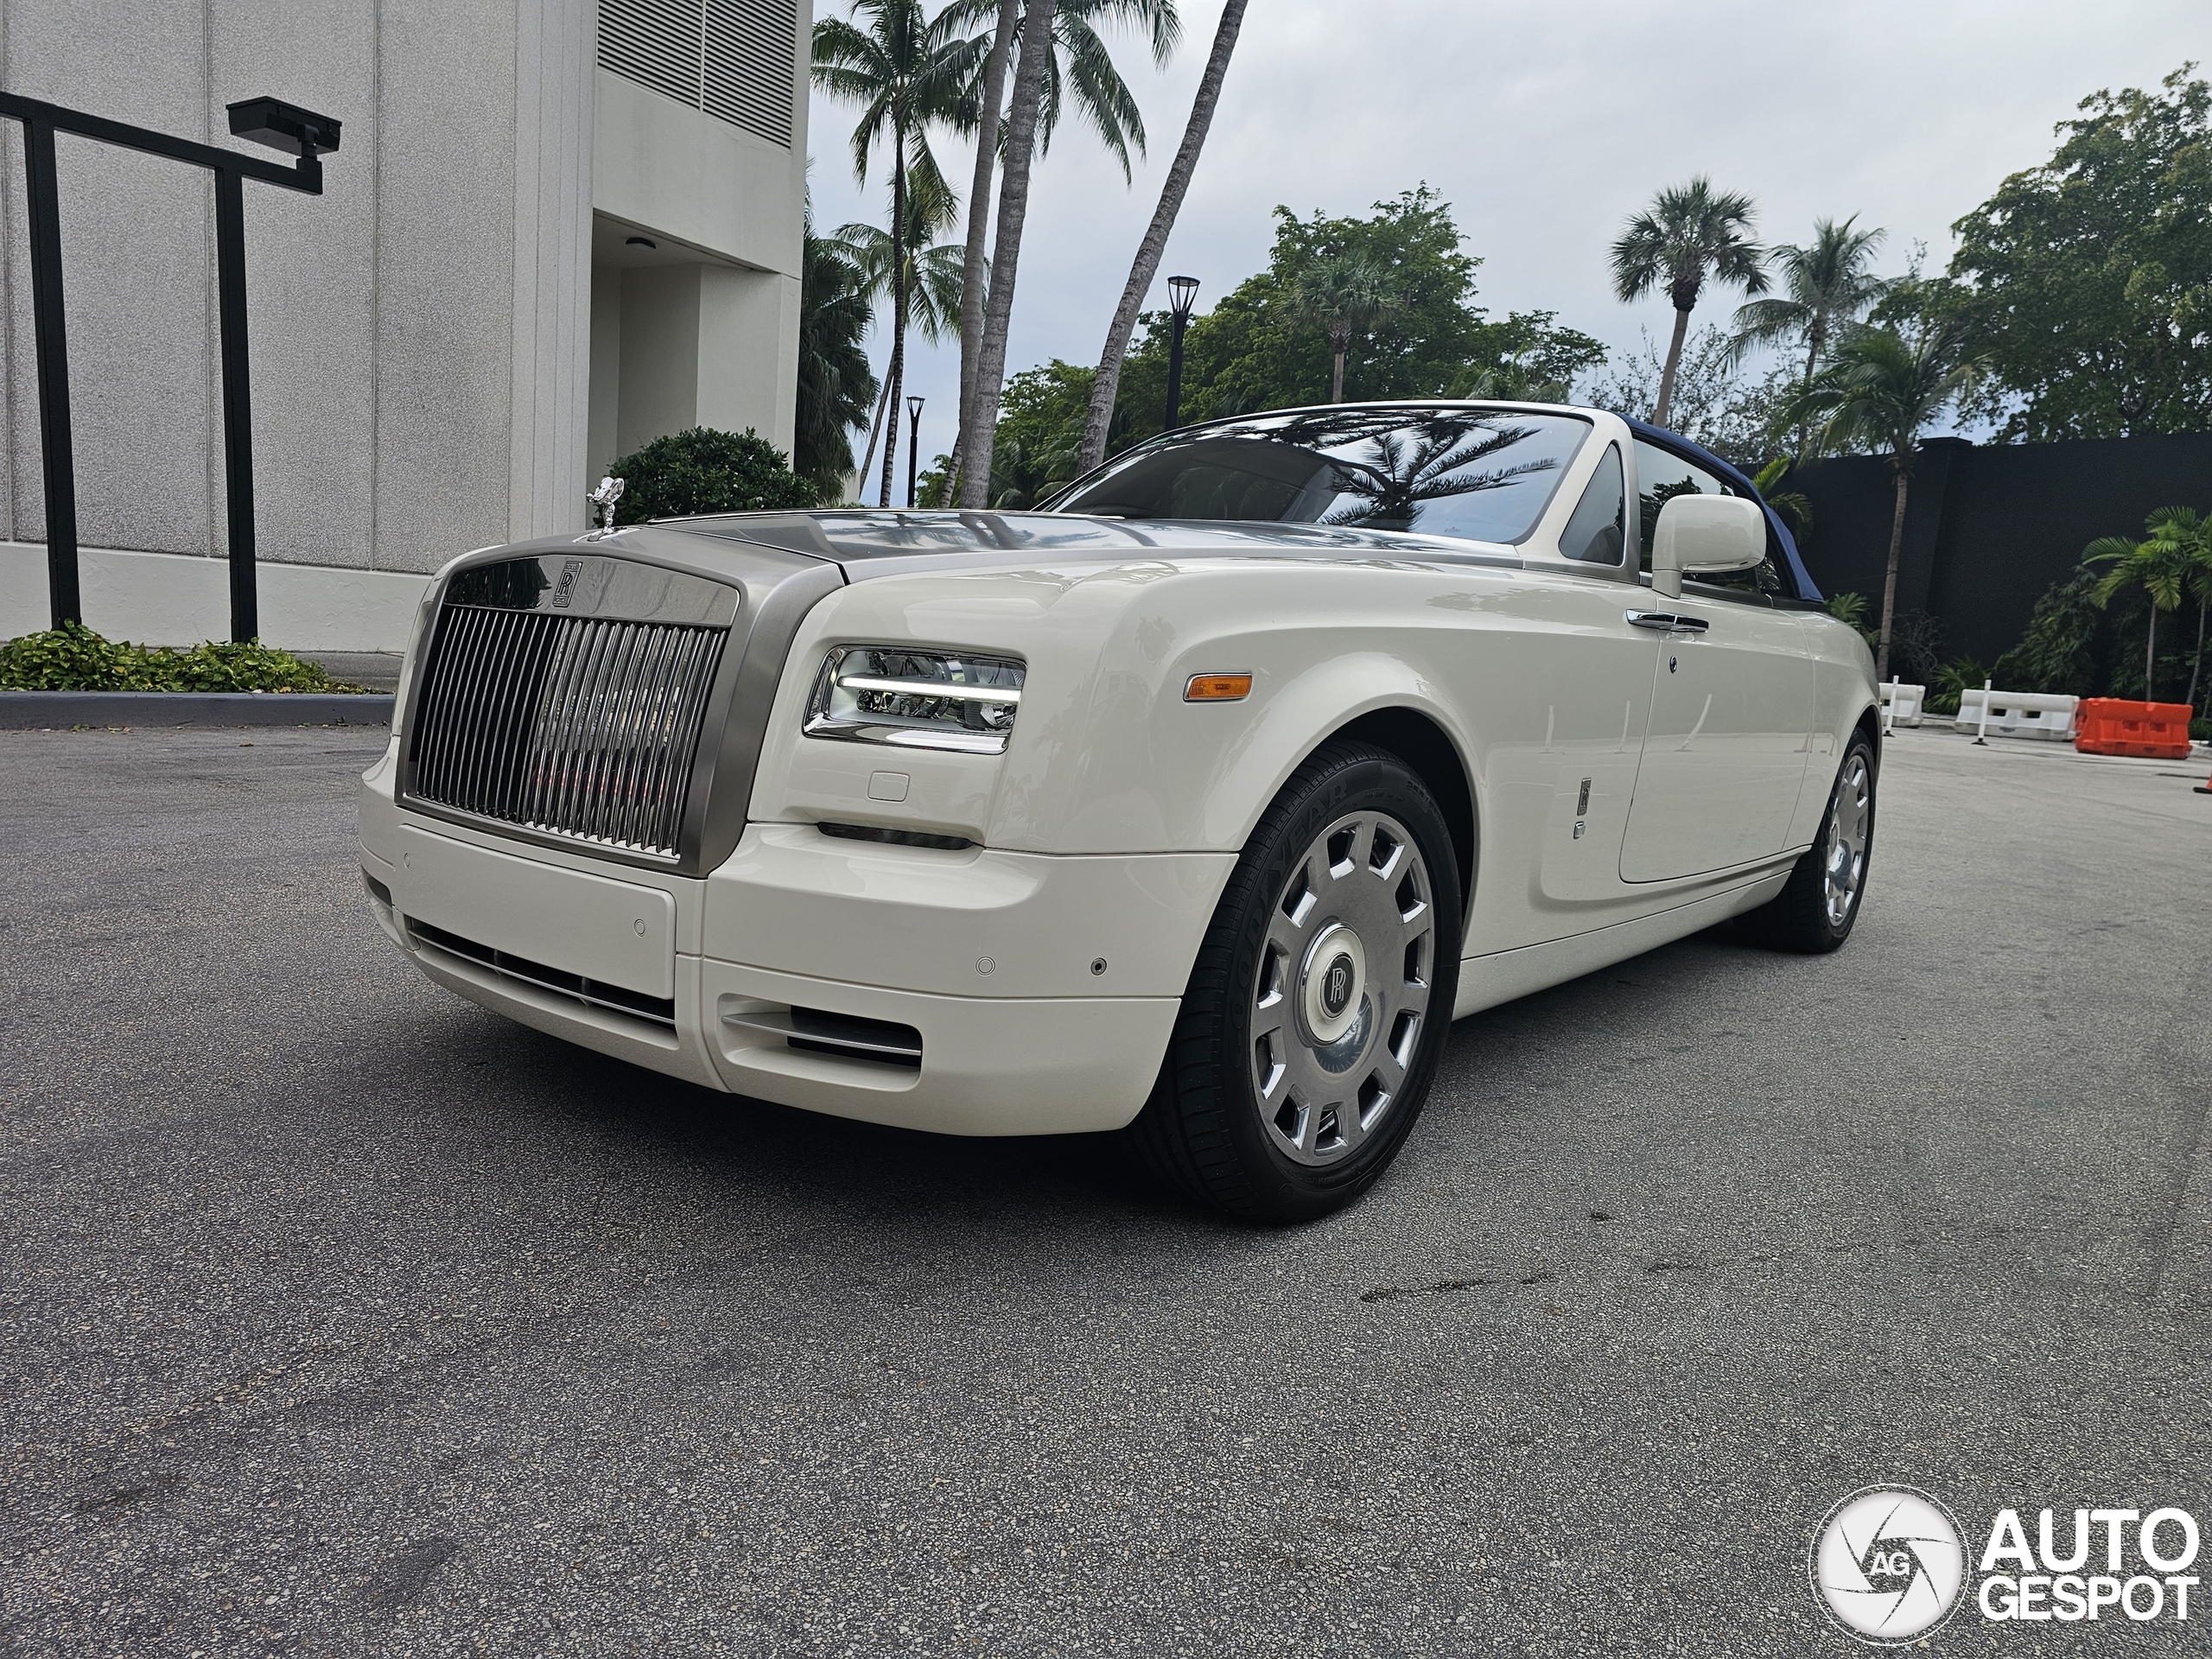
x: 916, y: 699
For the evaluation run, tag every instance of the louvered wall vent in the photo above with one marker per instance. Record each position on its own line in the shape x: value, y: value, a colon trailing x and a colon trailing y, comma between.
x: 733, y: 59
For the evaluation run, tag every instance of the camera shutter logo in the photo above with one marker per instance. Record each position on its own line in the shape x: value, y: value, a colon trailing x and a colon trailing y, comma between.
x: 1888, y: 1565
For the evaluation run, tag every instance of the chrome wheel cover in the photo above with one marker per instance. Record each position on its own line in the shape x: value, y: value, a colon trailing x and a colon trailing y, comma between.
x: 1341, y: 991
x: 1850, y: 815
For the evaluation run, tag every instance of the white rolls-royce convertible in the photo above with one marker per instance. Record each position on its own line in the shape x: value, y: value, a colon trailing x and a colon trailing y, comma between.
x: 1197, y: 803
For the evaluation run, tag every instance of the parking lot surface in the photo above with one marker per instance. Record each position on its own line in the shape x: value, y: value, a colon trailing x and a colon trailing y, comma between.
x: 339, y: 1316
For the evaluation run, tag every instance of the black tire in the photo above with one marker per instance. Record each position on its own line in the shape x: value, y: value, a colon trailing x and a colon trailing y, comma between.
x: 1804, y: 917
x: 1205, y: 1128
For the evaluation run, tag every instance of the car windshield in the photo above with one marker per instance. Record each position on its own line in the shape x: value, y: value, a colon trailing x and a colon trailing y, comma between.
x: 1483, y: 474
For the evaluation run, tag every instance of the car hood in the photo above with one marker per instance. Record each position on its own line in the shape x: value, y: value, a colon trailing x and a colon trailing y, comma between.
x: 873, y: 543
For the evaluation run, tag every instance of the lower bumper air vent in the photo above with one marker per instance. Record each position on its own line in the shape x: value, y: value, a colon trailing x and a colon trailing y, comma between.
x: 845, y: 1036
x: 660, y: 1010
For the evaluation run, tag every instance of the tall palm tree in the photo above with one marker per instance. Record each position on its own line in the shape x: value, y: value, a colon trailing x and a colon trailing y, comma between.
x: 907, y: 71
x: 1106, y: 384
x: 1036, y: 55
x: 2194, y: 531
x: 1825, y: 284
x: 1688, y: 235
x: 835, y: 385
x: 1882, y: 389
x: 1345, y: 293
x: 2169, y: 562
x: 931, y: 272
x: 1082, y: 75
x: 1079, y: 75
x: 991, y: 101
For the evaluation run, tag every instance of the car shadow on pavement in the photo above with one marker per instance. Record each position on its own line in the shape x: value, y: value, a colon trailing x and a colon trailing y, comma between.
x: 749, y: 1144
x: 575, y: 1096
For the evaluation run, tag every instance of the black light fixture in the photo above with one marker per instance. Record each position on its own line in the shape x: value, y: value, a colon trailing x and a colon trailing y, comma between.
x: 914, y: 443
x: 1182, y: 295
x: 646, y: 242
x: 299, y: 133
x: 283, y: 126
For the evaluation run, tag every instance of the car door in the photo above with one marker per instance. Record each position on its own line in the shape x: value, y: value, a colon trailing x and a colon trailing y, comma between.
x: 1598, y: 687
x: 1731, y: 709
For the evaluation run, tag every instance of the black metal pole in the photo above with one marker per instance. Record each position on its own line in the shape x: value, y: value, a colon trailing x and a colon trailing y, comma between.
x: 913, y: 450
x: 63, y: 595
x: 237, y: 409
x: 1175, y: 371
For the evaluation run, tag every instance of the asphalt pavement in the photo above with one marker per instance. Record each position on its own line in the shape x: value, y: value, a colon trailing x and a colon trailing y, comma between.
x: 337, y: 1316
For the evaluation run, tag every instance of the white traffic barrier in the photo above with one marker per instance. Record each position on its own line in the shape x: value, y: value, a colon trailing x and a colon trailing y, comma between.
x: 2020, y: 714
x: 1901, y: 704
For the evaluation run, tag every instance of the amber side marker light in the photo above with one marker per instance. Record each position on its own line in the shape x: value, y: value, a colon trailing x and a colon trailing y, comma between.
x: 1216, y: 688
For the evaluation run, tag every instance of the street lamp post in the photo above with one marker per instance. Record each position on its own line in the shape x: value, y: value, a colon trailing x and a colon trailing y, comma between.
x: 299, y: 133
x: 914, y: 443
x: 1182, y: 295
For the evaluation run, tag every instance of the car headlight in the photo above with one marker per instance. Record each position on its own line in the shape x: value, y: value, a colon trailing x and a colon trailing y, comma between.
x: 917, y: 699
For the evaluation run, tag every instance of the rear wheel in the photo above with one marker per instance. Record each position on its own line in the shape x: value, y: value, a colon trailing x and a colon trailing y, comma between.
x: 1815, y: 911
x: 1320, y: 1000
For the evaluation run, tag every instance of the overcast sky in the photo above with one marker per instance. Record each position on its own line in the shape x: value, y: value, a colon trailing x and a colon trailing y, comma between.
x: 1544, y: 125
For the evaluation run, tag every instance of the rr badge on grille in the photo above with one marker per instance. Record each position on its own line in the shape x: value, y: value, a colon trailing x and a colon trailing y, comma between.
x: 567, y: 588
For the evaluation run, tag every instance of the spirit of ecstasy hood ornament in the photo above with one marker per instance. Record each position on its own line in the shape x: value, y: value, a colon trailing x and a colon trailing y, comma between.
x: 604, y: 497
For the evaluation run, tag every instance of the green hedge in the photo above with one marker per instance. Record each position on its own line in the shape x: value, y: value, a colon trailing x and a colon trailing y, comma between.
x: 702, y: 470
x: 72, y: 657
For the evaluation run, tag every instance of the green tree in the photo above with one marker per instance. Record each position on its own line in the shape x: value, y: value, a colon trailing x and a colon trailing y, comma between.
x: 1826, y: 284
x: 1252, y: 351
x: 1345, y: 293
x: 907, y: 71
x: 1690, y: 234
x: 1796, y: 510
x: 1714, y: 402
x: 2089, y: 278
x: 2171, y: 561
x: 836, y: 387
x: 1255, y: 351
x: 1881, y: 389
x: 2059, y: 652
x: 702, y: 470
x: 1525, y: 357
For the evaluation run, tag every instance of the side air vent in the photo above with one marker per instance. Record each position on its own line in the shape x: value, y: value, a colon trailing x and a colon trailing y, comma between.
x: 735, y: 60
x: 846, y: 1036
x: 891, y: 837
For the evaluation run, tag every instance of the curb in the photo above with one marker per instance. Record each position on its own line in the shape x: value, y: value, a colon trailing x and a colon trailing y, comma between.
x: 20, y: 710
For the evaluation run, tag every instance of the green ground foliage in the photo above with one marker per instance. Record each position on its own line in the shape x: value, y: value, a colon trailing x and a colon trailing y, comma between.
x: 72, y: 657
x: 702, y: 470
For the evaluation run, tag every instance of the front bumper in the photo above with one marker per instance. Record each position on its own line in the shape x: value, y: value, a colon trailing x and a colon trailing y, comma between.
x: 1041, y: 991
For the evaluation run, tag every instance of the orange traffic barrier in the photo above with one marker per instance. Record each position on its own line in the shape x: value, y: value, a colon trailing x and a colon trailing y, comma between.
x: 2155, y: 731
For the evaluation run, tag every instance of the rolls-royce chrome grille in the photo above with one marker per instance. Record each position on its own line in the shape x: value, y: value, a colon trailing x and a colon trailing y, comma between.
x: 584, y: 726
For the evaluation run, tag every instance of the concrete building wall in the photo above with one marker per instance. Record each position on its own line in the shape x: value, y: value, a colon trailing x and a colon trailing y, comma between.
x: 705, y: 331
x: 427, y: 372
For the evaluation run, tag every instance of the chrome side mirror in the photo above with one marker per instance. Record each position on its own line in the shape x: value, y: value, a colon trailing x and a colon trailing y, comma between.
x: 1705, y: 535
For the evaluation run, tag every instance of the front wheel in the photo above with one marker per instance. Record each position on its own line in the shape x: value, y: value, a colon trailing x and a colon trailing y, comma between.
x: 1815, y: 911
x: 1320, y: 1000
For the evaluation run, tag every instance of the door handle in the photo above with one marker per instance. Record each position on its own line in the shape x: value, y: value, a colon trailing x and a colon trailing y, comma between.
x: 1666, y: 621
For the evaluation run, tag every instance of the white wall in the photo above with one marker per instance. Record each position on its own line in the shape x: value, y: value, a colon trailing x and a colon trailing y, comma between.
x: 173, y: 598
